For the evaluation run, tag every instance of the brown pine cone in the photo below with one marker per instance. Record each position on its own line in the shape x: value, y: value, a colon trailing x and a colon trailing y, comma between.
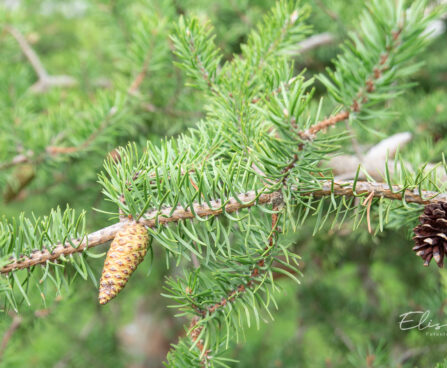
x: 431, y: 235
x: 126, y: 252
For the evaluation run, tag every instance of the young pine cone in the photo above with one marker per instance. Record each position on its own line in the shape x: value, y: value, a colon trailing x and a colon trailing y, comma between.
x: 431, y: 235
x: 126, y: 252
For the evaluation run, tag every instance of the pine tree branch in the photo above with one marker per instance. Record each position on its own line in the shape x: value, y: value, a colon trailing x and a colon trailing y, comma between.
x: 15, y: 324
x: 333, y: 15
x: 276, y: 42
x: 314, y: 42
x: 45, y: 80
x: 150, y: 219
x: 56, y: 150
x: 235, y: 293
x: 28, y: 52
x: 16, y: 160
x: 353, y: 189
x: 343, y: 84
x: 244, y: 200
x: 324, y: 124
x: 346, y: 189
x: 361, y: 97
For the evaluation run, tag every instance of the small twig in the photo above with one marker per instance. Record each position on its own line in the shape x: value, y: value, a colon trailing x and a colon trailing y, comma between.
x: 56, y: 150
x: 45, y: 80
x: 329, y: 12
x: 16, y: 160
x: 28, y: 52
x: 324, y: 124
x: 313, y: 42
x: 15, y: 324
x: 135, y: 85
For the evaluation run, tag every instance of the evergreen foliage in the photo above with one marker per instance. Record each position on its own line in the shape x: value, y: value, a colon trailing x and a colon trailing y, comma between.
x: 224, y: 201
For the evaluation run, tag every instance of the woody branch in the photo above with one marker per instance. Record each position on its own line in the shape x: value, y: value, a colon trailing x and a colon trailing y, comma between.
x: 249, y: 199
x: 233, y: 204
x: 45, y: 80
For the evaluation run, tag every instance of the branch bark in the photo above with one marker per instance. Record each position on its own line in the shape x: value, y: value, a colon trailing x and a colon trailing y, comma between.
x: 314, y: 42
x: 45, y: 80
x: 244, y: 200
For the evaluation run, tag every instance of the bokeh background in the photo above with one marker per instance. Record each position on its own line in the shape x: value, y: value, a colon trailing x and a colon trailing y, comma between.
x: 354, y: 286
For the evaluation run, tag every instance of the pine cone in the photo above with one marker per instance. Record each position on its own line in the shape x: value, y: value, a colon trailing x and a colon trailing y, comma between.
x: 431, y: 235
x: 126, y: 252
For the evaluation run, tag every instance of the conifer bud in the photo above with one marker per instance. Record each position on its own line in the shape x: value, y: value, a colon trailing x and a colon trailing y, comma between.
x: 126, y: 252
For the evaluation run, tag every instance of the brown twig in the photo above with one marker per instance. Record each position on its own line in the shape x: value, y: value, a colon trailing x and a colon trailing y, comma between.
x: 15, y: 324
x: 361, y: 97
x: 314, y: 42
x: 324, y: 124
x: 150, y: 219
x: 45, y: 80
x: 244, y: 200
x: 329, y: 12
x: 16, y: 160
x: 135, y: 85
x: 28, y: 52
x: 56, y: 150
x: 381, y: 190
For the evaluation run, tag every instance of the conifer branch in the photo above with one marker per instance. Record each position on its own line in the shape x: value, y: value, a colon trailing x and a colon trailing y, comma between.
x: 235, y: 293
x: 28, y: 52
x: 150, y: 219
x: 45, y: 80
x: 56, y: 150
x: 314, y: 42
x: 16, y: 160
x: 135, y: 85
x: 381, y: 190
x: 15, y: 324
x: 324, y: 124
x: 244, y: 200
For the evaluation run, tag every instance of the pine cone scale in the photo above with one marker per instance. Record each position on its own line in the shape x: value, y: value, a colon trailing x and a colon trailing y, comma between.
x: 126, y: 252
x: 430, y: 236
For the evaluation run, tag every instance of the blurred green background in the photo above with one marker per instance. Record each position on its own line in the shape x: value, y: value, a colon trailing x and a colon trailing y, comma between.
x: 355, y: 286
